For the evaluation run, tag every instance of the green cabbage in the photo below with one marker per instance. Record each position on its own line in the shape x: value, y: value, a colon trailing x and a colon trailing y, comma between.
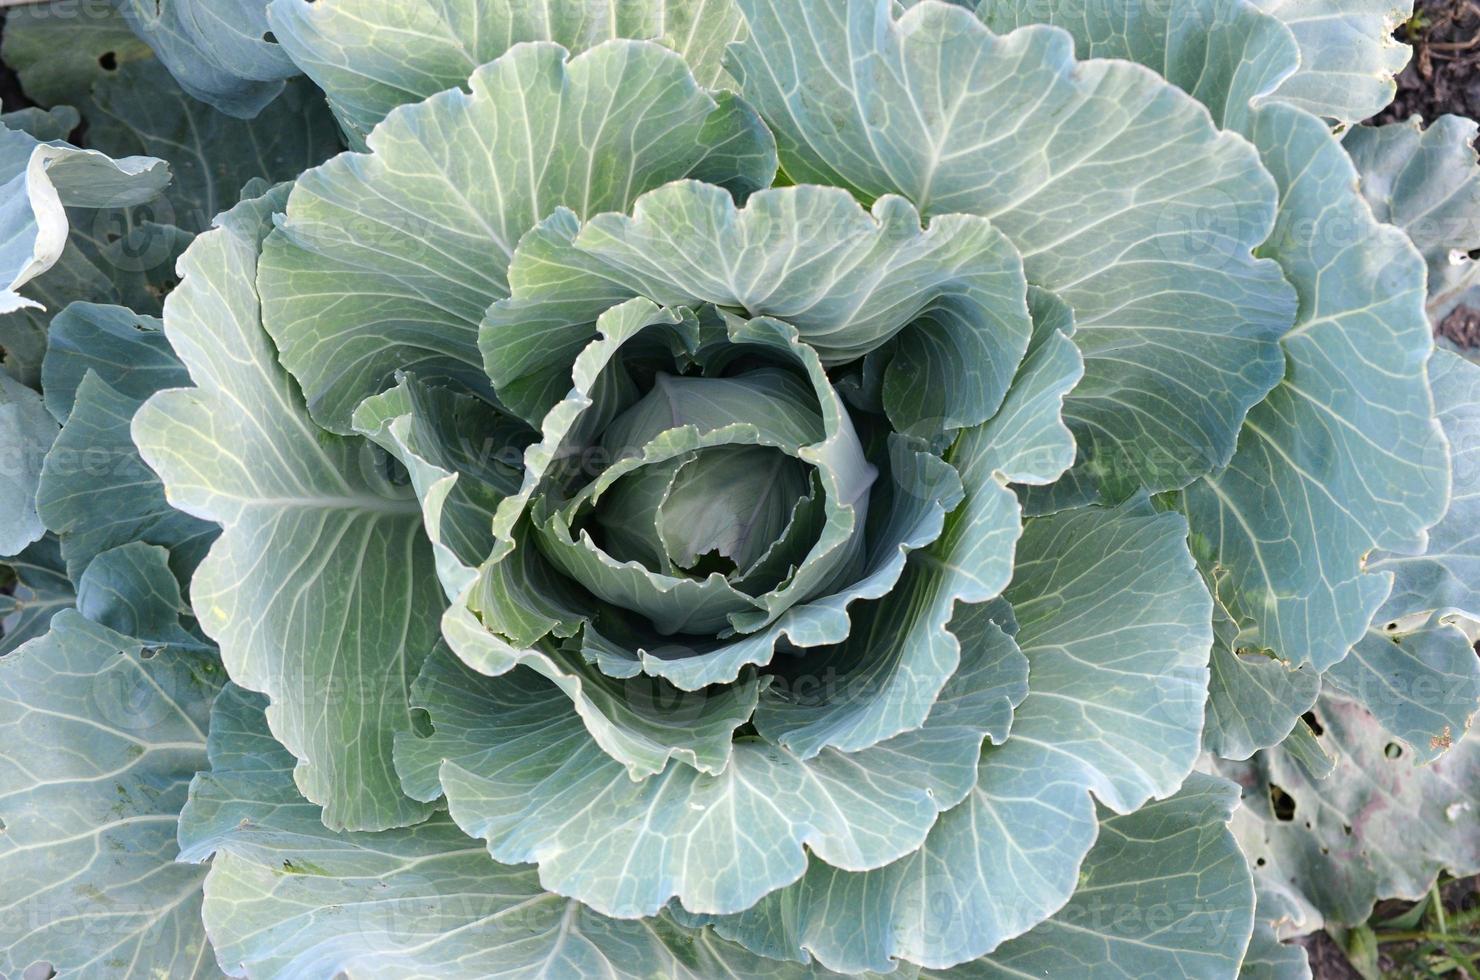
x: 728, y: 487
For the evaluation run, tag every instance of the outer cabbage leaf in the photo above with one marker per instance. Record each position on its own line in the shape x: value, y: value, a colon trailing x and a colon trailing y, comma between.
x: 1254, y: 698
x: 1114, y: 623
x: 42, y: 180
x: 95, y: 491
x: 1334, y: 60
x: 373, y: 55
x: 126, y: 350
x: 321, y: 589
x: 38, y: 590
x: 108, y: 258
x: 1164, y: 892
x: 61, y: 243
x: 1426, y: 182
x: 958, y: 119
x: 131, y: 590
x: 286, y: 898
x: 1226, y: 54
x: 1447, y: 575
x: 220, y: 52
x: 1421, y: 683
x: 1345, y: 455
x: 58, y: 52
x: 1267, y: 958
x: 125, y: 254
x: 98, y: 742
x: 387, y: 260
x: 26, y: 434
x: 138, y: 109
x: 45, y: 125
x: 1378, y: 826
x: 521, y: 771
x: 1348, y: 55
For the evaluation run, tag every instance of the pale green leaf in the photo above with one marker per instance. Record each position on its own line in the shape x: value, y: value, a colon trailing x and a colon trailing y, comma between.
x: 373, y: 55
x: 937, y: 108
x: 809, y: 707
x: 95, y: 491
x: 125, y: 350
x: 1426, y: 182
x: 321, y: 589
x: 98, y: 742
x: 533, y: 784
x: 131, y: 590
x: 1447, y: 575
x: 386, y: 261
x: 45, y: 125
x: 42, y: 180
x: 1422, y: 179
x: 1421, y: 683
x: 220, y: 51
x: 1224, y: 53
x: 26, y: 435
x: 1164, y: 892
x: 640, y: 722
x: 1114, y: 623
x: 1379, y: 826
x: 108, y: 258
x: 286, y: 898
x: 1267, y: 958
x: 1254, y: 699
x: 1345, y: 455
x: 39, y: 590
x: 1348, y: 55
x: 848, y: 280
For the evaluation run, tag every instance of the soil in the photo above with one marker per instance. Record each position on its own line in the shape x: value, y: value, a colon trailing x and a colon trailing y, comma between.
x: 1445, y: 71
x: 1463, y: 327
x: 1404, y: 960
x: 1327, y: 959
x: 1444, y: 74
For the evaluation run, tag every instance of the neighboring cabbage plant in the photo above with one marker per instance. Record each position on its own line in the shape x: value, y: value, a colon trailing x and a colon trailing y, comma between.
x: 736, y: 487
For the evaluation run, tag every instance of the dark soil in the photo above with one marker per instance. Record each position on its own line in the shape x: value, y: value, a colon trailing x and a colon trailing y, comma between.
x: 1444, y: 75
x: 1463, y: 327
x: 1327, y: 960
x: 1409, y: 951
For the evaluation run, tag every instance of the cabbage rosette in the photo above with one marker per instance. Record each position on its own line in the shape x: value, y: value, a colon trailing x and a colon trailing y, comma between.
x: 791, y: 500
